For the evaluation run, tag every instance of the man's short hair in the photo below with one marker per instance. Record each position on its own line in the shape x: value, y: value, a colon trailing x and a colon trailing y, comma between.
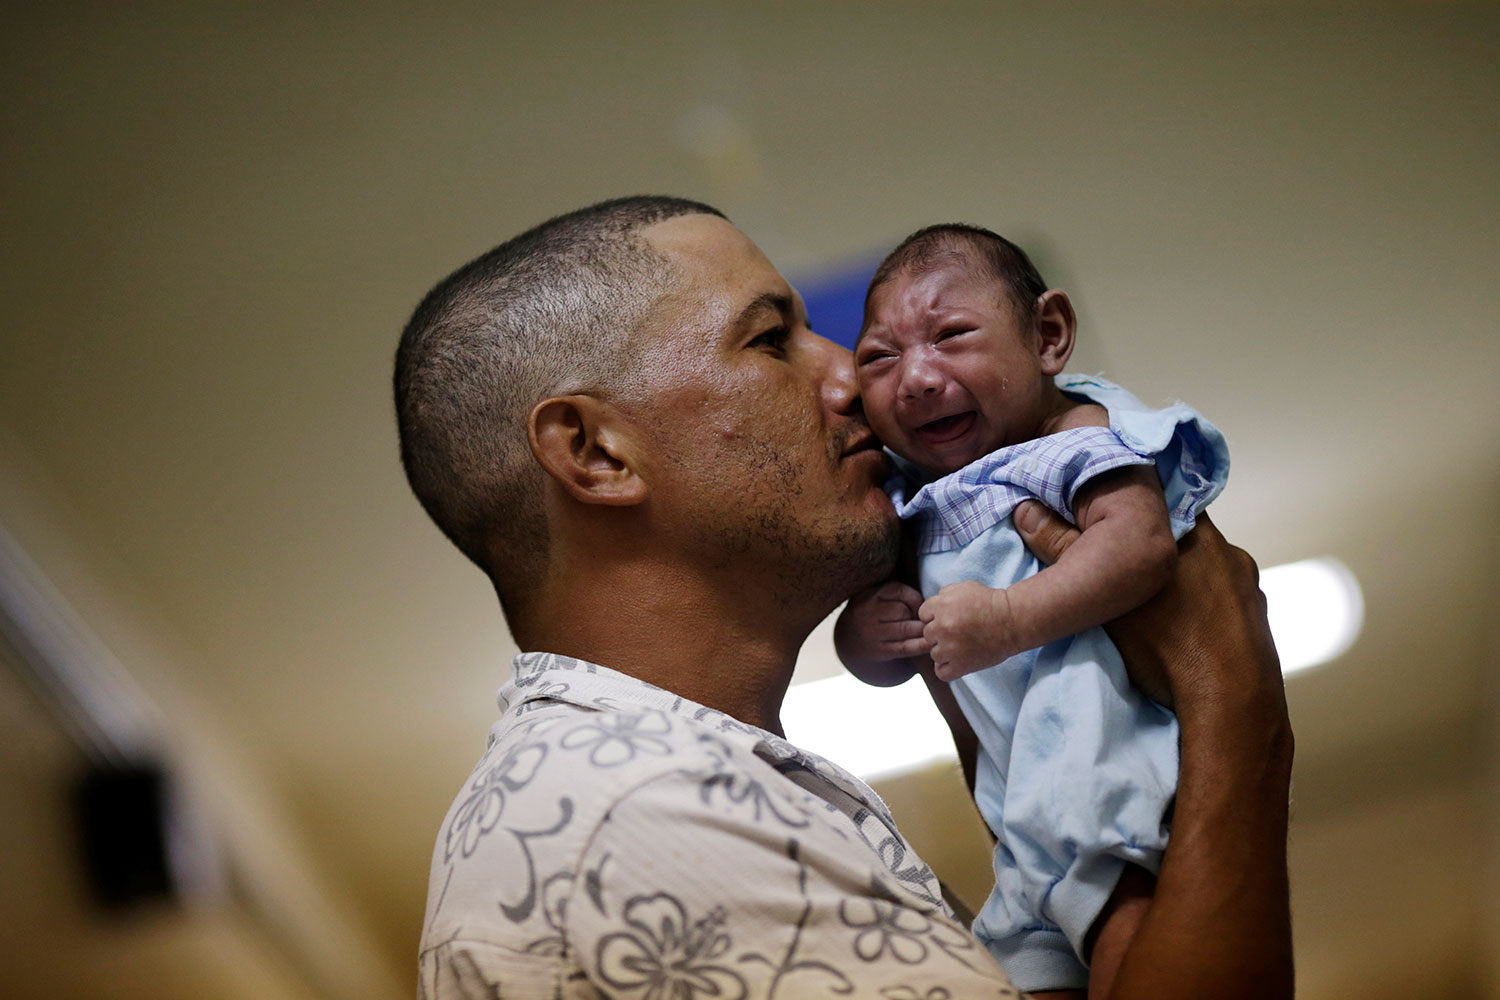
x: 989, y: 253
x: 551, y: 311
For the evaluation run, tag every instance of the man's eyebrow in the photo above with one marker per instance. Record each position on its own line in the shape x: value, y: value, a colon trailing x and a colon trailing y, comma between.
x: 776, y: 301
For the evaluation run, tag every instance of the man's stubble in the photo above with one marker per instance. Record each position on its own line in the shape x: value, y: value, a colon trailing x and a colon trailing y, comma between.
x: 815, y: 553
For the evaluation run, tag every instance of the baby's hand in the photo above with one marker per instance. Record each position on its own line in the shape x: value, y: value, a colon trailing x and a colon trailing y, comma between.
x: 879, y: 625
x: 970, y: 628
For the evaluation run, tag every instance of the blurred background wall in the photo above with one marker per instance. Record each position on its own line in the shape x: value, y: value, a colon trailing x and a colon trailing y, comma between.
x: 217, y: 220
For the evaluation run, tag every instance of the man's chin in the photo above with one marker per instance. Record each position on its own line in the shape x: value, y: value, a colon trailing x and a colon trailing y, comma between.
x: 875, y: 560
x: 828, y: 568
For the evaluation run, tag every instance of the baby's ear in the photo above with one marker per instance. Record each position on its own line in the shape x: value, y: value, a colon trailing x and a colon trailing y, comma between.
x: 1056, y: 325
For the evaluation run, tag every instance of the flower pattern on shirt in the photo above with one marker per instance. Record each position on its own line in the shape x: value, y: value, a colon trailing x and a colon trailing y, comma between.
x: 540, y: 694
x: 884, y: 926
x: 617, y: 840
x: 739, y: 790
x: 555, y: 892
x: 482, y: 809
x: 667, y: 956
x: 613, y: 740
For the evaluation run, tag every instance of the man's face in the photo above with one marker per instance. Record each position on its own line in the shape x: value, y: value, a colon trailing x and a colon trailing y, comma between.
x: 947, y: 373
x: 760, y: 458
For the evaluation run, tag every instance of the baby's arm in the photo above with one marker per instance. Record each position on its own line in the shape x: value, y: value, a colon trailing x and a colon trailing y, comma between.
x: 1125, y: 555
x: 878, y: 634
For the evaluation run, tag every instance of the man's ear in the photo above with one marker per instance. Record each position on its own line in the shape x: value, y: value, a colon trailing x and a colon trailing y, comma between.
x: 1056, y: 326
x: 584, y: 445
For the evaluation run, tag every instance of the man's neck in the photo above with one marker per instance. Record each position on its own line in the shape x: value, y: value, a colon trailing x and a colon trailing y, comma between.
x: 703, y: 639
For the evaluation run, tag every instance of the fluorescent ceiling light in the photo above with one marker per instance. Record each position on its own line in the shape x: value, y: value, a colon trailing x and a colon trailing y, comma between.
x: 1315, y: 608
x: 874, y: 732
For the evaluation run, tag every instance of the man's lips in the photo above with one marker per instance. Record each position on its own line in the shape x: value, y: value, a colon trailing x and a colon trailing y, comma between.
x: 866, y: 446
x: 862, y: 441
x: 945, y: 430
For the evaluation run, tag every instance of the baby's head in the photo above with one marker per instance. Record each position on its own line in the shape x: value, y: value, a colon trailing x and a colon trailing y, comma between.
x: 960, y: 341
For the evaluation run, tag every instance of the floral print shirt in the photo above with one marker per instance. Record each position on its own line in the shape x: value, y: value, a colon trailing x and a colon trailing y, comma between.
x: 618, y: 841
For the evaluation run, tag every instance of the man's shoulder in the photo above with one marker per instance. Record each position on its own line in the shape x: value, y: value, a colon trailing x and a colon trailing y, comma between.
x: 572, y: 759
x: 517, y: 832
x: 594, y: 840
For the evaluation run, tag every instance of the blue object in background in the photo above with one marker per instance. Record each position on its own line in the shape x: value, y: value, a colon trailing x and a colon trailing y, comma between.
x: 836, y: 300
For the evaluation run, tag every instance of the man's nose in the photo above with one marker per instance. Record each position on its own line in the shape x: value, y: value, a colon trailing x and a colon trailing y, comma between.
x: 839, y: 388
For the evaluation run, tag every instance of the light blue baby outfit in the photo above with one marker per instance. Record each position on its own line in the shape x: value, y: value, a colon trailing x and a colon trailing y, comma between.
x: 1077, y: 769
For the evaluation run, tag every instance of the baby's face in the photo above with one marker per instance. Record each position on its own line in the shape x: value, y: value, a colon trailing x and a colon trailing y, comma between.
x: 946, y: 371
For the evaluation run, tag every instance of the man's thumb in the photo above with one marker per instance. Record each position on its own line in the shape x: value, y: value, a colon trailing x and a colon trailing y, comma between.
x: 1045, y: 534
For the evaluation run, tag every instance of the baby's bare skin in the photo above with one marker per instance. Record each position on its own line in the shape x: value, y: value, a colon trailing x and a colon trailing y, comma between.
x: 949, y: 372
x: 1125, y: 554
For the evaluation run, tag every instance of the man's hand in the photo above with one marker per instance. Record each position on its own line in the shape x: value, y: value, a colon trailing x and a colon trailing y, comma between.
x: 879, y: 632
x: 969, y: 626
x: 1211, y: 615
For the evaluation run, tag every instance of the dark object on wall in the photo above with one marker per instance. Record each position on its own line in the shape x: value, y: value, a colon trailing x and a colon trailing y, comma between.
x: 125, y: 830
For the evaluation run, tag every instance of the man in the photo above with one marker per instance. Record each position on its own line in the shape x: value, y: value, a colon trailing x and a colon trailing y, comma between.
x: 624, y: 419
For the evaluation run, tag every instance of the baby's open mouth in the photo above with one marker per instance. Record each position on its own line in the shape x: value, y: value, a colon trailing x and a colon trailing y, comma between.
x: 945, y: 429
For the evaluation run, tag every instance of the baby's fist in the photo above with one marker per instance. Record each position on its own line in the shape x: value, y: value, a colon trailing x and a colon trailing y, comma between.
x: 880, y: 624
x: 969, y: 626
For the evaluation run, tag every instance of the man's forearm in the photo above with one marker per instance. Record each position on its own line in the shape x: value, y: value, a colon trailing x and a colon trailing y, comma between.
x: 1220, y: 923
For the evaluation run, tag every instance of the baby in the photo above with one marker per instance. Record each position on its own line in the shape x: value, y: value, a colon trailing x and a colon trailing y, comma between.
x: 959, y: 364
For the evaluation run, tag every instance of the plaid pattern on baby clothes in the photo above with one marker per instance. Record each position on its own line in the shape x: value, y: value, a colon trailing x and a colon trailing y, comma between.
x: 952, y: 511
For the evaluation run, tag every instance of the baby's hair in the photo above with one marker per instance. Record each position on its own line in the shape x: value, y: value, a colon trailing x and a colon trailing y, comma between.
x: 989, y: 253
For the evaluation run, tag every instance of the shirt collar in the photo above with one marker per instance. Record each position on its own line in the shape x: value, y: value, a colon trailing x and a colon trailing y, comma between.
x: 539, y: 676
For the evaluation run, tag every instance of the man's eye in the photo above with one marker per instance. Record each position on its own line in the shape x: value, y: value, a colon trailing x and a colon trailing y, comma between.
x: 874, y: 357
x: 775, y: 339
x: 954, y: 332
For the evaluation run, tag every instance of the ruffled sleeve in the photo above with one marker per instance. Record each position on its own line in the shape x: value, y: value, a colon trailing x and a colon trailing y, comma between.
x: 952, y: 511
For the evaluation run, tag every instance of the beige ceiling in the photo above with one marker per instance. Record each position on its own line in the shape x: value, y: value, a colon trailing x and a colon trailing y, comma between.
x: 216, y: 223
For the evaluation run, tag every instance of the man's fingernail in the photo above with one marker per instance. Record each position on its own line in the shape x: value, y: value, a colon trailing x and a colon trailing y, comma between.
x: 1028, y: 516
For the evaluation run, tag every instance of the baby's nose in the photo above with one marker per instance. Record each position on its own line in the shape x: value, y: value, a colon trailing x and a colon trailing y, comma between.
x: 920, y: 380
